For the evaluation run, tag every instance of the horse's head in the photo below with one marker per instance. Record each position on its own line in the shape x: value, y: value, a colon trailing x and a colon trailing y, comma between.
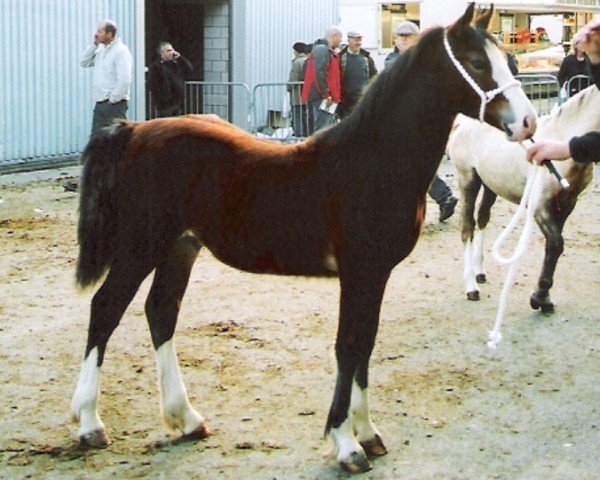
x: 490, y: 91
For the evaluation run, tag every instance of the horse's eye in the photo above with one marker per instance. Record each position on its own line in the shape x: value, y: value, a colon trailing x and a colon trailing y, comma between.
x: 478, y: 64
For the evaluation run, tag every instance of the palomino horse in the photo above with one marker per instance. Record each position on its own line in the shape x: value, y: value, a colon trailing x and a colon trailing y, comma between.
x: 348, y: 202
x: 484, y: 158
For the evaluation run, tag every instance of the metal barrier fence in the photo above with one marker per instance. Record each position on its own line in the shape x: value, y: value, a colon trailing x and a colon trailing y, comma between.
x: 231, y: 101
x: 575, y: 84
x: 542, y: 90
x: 278, y: 112
x: 271, y: 110
x: 274, y: 110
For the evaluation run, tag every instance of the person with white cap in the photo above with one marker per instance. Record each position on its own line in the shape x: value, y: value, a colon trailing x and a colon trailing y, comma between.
x: 406, y: 35
x: 358, y: 68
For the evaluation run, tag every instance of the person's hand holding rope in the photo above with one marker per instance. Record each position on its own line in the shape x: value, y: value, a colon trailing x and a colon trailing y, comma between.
x: 560, y: 150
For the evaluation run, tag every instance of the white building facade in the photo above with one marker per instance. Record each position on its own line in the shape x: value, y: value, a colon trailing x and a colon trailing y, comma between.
x: 376, y: 19
x: 45, y: 95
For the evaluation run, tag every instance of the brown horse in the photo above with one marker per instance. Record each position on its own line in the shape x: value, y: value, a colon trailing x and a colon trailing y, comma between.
x: 348, y: 202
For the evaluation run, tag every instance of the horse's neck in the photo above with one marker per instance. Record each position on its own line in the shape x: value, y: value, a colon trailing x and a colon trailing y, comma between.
x: 404, y: 121
x: 576, y: 117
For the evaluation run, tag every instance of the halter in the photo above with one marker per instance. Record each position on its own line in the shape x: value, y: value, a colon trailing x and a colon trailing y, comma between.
x: 486, y: 97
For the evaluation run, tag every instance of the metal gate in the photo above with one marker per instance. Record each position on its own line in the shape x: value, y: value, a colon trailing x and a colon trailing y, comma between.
x: 231, y: 101
x: 542, y: 90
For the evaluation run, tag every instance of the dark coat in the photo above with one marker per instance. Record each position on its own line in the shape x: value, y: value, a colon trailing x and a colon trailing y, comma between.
x: 165, y: 81
x: 586, y: 148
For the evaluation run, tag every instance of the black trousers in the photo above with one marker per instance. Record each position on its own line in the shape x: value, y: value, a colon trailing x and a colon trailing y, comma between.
x: 438, y: 190
x: 172, y: 111
x: 104, y: 114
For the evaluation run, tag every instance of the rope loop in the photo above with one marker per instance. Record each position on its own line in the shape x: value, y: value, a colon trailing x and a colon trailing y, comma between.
x: 527, y: 207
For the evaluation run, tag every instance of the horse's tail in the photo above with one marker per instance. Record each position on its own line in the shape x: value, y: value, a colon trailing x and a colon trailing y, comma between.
x: 98, y: 205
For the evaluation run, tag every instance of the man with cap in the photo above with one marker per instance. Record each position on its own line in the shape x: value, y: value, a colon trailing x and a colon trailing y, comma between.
x: 357, y: 68
x: 406, y: 35
x: 322, y: 80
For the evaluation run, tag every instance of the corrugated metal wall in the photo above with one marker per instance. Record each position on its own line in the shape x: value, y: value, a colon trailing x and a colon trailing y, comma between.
x: 273, y: 26
x: 45, y: 95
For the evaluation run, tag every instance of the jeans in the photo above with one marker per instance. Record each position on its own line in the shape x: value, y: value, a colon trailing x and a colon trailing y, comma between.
x: 320, y: 119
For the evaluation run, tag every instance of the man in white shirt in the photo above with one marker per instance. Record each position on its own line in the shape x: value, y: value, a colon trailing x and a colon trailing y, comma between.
x: 112, y: 64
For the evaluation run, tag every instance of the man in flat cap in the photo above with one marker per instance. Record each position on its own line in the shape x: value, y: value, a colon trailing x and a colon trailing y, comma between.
x: 357, y: 68
x: 406, y: 35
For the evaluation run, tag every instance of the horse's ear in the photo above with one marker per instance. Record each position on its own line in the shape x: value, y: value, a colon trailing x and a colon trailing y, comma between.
x: 464, y: 22
x: 484, y: 20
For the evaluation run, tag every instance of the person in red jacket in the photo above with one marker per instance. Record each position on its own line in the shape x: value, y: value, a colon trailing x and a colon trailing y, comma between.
x: 585, y: 148
x: 322, y: 80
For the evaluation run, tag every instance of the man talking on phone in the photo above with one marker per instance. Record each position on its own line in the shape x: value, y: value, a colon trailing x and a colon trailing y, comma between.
x: 166, y: 77
x: 112, y: 64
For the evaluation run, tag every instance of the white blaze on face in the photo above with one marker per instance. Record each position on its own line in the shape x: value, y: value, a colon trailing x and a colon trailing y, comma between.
x: 525, y: 116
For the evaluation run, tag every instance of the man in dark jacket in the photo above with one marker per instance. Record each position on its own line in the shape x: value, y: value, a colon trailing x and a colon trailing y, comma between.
x: 585, y: 148
x: 357, y: 69
x: 165, y: 80
x: 322, y: 89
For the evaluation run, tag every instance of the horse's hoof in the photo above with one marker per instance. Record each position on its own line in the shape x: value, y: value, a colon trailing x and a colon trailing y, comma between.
x: 547, y: 307
x: 375, y: 447
x: 356, y: 462
x: 201, y: 431
x: 95, y: 439
x: 481, y: 278
x: 537, y: 302
x: 474, y: 295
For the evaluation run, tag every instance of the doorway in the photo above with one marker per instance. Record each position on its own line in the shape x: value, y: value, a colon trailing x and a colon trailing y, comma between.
x: 182, y: 24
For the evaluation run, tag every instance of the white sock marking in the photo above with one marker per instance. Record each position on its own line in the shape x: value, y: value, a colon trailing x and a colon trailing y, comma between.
x: 177, y: 412
x: 361, y: 420
x: 469, y: 274
x: 478, y: 252
x: 85, y: 398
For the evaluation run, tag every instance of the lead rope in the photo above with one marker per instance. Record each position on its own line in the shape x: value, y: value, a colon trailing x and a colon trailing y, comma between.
x: 527, y: 206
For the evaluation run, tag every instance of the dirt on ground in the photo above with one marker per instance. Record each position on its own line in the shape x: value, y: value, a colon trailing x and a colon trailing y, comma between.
x: 256, y: 354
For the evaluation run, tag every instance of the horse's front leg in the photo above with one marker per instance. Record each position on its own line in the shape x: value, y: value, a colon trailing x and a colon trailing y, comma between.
x: 483, y: 218
x: 349, y: 424
x: 469, y: 187
x: 162, y: 309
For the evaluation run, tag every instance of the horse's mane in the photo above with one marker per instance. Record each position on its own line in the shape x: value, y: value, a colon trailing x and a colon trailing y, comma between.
x: 389, y: 84
x: 571, y: 110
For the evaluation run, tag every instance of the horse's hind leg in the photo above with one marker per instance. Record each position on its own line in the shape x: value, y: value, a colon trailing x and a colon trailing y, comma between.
x: 551, y: 224
x: 483, y: 218
x: 107, y: 308
x: 162, y: 308
x: 469, y: 189
x: 359, y: 319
